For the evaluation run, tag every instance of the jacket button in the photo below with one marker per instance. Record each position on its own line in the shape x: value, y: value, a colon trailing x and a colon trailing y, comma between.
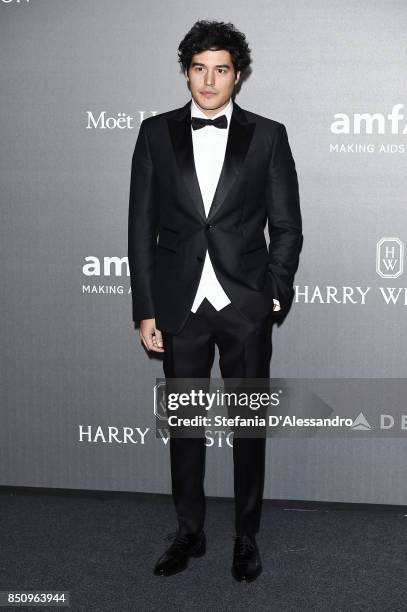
x: 209, y: 226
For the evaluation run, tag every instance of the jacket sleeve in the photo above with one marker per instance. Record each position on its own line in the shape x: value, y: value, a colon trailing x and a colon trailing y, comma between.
x: 284, y: 219
x: 142, y: 229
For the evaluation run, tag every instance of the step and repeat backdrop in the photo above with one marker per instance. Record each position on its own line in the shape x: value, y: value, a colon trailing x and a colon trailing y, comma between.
x: 77, y: 386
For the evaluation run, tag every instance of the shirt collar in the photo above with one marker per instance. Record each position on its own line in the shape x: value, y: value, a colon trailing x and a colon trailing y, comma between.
x: 196, y: 111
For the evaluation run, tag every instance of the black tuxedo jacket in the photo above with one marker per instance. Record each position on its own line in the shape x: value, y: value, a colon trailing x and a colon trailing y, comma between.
x: 169, y: 233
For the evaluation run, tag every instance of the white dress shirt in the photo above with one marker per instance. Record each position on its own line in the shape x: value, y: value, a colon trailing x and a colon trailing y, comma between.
x: 209, y: 146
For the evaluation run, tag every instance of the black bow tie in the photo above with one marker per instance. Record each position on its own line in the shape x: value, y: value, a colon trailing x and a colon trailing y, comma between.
x: 220, y: 122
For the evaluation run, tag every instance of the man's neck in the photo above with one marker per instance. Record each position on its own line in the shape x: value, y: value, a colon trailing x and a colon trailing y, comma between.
x: 212, y: 112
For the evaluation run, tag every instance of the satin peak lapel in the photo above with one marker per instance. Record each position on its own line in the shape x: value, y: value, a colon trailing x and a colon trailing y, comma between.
x: 239, y: 138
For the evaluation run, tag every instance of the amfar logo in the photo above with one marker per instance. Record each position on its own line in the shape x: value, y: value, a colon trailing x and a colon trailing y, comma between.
x: 106, y: 266
x: 120, y: 121
x: 370, y: 123
x: 389, y: 257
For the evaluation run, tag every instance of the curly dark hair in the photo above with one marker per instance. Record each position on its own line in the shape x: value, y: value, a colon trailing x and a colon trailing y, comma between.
x: 215, y: 35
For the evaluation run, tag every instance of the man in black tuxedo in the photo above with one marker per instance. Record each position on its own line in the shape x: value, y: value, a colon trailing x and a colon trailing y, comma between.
x: 205, y: 179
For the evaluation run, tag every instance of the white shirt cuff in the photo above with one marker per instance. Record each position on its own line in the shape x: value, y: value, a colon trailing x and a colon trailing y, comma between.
x: 277, y: 305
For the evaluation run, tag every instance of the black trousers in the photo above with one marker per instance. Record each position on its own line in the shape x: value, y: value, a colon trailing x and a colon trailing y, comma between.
x: 245, y: 350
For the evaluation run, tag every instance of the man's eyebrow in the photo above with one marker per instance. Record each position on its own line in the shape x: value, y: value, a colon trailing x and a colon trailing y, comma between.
x: 217, y: 65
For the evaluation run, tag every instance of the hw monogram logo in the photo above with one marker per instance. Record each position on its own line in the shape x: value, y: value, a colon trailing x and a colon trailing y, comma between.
x: 389, y: 257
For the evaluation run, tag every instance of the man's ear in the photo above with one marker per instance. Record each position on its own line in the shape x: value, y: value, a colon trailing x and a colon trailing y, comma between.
x: 237, y: 79
x: 186, y: 75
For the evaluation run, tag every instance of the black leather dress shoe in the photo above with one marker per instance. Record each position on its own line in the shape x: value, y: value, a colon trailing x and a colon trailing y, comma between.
x: 246, y: 559
x: 176, y: 557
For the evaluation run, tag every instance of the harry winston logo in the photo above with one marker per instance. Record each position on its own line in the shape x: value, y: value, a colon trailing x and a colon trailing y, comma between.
x: 160, y: 409
x: 389, y: 257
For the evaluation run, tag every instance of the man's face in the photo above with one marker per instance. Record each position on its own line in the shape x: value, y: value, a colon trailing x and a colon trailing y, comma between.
x: 212, y: 80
